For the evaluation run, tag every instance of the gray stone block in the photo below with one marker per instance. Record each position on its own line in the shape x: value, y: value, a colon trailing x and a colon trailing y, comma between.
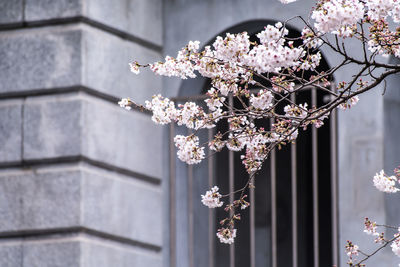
x: 10, y: 131
x: 43, y: 253
x: 74, y: 251
x: 39, y: 200
x: 51, y: 254
x: 10, y: 255
x: 40, y: 58
x: 122, y: 206
x: 137, y: 17
x: 73, y: 125
x: 11, y: 11
x: 106, y: 66
x: 52, y: 9
x: 74, y: 55
x: 80, y: 195
x: 52, y: 127
x: 106, y: 255
x: 125, y: 139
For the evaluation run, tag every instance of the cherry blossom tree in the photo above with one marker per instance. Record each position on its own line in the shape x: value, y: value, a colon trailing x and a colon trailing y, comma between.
x: 278, y: 66
x: 387, y: 184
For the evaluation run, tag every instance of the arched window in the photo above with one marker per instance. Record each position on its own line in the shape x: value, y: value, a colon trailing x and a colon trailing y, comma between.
x: 292, y: 219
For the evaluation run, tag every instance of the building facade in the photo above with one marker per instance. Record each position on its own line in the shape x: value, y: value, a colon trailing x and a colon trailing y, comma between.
x: 85, y: 183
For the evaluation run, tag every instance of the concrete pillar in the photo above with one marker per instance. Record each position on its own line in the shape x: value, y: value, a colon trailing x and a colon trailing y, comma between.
x: 80, y: 178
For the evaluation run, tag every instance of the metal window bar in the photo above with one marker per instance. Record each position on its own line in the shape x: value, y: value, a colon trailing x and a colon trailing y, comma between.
x: 274, y: 229
x: 315, y: 183
x: 273, y: 195
x: 190, y: 212
x: 252, y: 222
x: 334, y: 185
x: 172, y: 197
x: 252, y: 228
x: 293, y: 161
x: 231, y: 189
x: 211, y: 212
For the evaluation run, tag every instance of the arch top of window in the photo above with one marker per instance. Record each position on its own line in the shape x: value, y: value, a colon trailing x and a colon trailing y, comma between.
x: 194, y: 89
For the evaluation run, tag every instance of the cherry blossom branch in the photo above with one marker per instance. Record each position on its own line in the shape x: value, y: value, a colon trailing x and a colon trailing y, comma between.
x: 280, y: 66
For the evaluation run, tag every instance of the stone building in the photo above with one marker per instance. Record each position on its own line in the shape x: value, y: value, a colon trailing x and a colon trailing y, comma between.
x: 84, y: 183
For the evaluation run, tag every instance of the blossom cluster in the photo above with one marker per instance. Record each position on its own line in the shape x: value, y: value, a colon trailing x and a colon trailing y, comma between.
x: 234, y: 63
x: 264, y: 77
x: 188, y: 149
x: 370, y: 227
x: 243, y: 134
x: 125, y: 103
x: 341, y: 16
x: 233, y: 58
x: 380, y: 9
x: 310, y: 38
x: 349, y: 103
x: 226, y: 235
x: 212, y: 198
x: 351, y: 251
x: 338, y: 16
x: 385, y: 183
x: 189, y: 114
x: 135, y: 67
x: 382, y: 40
x: 396, y: 244
x: 263, y: 100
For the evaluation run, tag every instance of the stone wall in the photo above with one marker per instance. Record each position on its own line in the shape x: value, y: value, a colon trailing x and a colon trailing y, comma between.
x: 80, y: 179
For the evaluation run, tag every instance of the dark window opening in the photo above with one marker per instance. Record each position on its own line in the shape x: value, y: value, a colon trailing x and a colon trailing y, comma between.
x: 194, y: 243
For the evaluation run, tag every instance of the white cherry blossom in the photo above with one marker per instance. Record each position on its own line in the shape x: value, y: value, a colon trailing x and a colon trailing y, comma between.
x: 125, y: 103
x: 226, y: 235
x: 379, y: 9
x: 134, y: 66
x: 310, y: 39
x: 338, y: 16
x: 351, y: 249
x: 287, y: 1
x: 351, y: 103
x: 163, y: 109
x: 212, y: 198
x: 188, y: 149
x: 298, y: 111
x: 396, y: 246
x: 370, y: 227
x: 263, y: 100
x: 385, y: 183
